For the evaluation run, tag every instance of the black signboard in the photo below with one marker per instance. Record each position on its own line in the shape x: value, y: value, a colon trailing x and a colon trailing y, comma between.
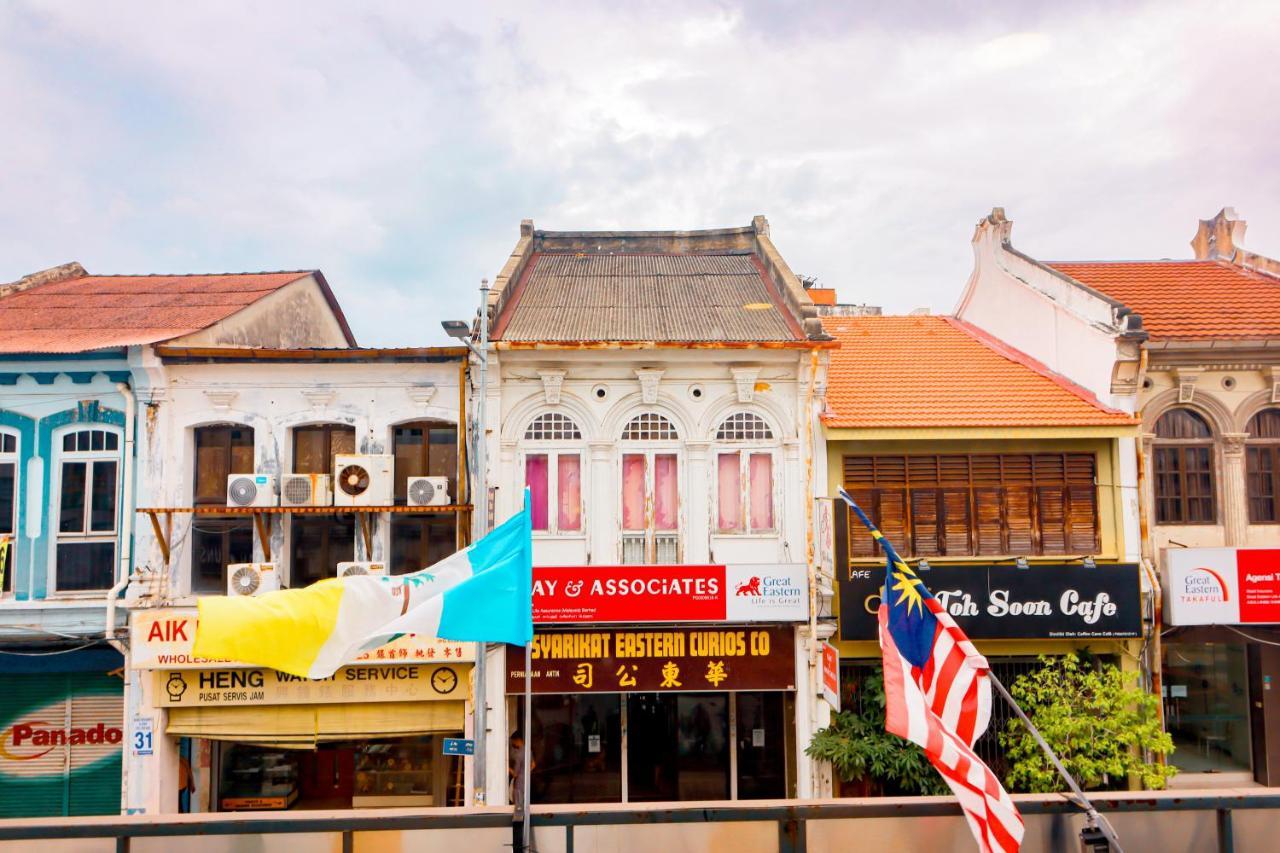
x: 1004, y: 602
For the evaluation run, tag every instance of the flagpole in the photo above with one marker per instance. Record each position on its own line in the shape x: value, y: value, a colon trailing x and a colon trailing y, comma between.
x: 1092, y: 818
x: 528, y: 743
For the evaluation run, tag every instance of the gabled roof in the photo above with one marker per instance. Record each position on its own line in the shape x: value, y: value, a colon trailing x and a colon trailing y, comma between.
x: 932, y: 371
x: 94, y: 312
x: 1187, y: 300
x: 728, y: 286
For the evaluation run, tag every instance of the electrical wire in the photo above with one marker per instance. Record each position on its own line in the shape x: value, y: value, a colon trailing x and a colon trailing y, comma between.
x: 54, y: 652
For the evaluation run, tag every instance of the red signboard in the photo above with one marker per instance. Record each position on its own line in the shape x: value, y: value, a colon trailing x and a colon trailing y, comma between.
x: 1258, y: 571
x: 831, y: 675
x: 670, y: 593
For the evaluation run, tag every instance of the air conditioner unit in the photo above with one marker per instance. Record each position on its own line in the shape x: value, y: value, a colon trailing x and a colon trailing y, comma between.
x: 251, y: 490
x: 428, y: 491
x: 361, y: 567
x: 252, y: 578
x: 362, y: 480
x: 306, y: 490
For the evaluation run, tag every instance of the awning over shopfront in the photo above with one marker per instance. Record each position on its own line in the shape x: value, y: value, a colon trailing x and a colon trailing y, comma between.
x: 303, y: 726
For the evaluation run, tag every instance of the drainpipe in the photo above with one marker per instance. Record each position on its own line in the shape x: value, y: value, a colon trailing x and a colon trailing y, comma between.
x: 1154, y: 649
x: 126, y: 558
x: 811, y: 569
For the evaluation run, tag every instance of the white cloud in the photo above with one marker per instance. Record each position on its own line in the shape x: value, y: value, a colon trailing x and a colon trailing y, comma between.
x: 397, y: 145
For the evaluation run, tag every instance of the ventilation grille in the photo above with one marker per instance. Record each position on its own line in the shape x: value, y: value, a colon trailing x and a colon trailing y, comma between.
x: 242, y: 491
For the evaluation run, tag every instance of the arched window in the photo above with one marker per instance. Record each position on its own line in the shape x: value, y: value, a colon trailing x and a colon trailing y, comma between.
x: 1262, y: 459
x: 553, y: 473
x: 8, y: 504
x: 1183, y: 462
x: 552, y: 426
x: 88, y: 480
x: 650, y: 491
x: 649, y: 426
x: 744, y: 477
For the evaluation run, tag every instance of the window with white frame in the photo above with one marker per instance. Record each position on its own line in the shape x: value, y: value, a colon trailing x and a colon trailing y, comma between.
x: 744, y: 475
x: 553, y: 474
x: 650, y: 490
x: 8, y: 506
x: 88, y: 485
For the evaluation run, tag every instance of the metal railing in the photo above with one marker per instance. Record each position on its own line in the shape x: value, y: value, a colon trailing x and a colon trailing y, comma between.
x: 792, y: 819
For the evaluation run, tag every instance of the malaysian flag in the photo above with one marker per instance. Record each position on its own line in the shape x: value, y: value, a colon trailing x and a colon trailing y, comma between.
x: 938, y: 695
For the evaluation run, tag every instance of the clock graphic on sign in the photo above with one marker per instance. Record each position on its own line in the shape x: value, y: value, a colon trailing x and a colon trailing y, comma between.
x: 444, y: 680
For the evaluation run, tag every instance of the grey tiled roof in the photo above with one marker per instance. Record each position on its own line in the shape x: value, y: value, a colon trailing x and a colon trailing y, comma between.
x: 646, y: 297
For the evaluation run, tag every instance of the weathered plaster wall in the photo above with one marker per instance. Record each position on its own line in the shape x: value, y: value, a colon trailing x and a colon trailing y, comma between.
x: 297, y: 315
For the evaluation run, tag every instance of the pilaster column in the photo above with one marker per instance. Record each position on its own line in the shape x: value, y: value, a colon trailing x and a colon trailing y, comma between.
x: 603, y: 512
x: 1235, y: 501
x: 697, y: 503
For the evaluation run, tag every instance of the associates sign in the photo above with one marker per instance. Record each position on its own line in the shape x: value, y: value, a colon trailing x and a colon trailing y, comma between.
x: 1004, y: 602
x: 1221, y: 586
x: 670, y: 593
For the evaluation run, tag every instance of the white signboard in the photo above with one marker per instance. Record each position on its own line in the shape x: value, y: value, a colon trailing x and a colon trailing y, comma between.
x: 1221, y: 586
x: 142, y: 740
x: 162, y: 639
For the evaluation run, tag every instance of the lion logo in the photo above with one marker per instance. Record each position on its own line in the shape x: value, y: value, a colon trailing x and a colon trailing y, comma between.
x: 749, y: 587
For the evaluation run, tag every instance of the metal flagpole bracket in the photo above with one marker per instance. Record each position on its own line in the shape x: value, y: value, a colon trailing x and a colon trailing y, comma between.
x: 1094, y: 822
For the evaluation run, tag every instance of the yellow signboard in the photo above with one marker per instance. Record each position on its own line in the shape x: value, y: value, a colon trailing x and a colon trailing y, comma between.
x: 162, y: 639
x: 361, y: 683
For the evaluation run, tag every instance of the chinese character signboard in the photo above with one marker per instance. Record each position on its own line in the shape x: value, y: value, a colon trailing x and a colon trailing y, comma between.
x: 831, y: 676
x: 162, y: 639
x: 620, y: 661
x: 1004, y: 602
x: 739, y: 593
x: 1223, y: 586
x: 368, y: 683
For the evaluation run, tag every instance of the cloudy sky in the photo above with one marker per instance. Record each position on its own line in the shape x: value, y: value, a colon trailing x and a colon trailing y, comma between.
x: 397, y: 146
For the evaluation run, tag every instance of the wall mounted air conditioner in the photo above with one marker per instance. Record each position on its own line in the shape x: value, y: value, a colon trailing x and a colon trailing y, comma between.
x: 306, y: 490
x: 428, y: 491
x: 361, y: 567
x: 252, y: 578
x: 251, y: 490
x: 360, y: 480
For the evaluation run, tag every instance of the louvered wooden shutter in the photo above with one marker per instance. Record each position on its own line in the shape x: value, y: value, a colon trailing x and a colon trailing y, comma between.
x: 924, y: 522
x: 956, y: 525
x: 860, y: 542
x: 987, y: 505
x: 1052, y: 511
x: 892, y: 519
x: 1082, y: 520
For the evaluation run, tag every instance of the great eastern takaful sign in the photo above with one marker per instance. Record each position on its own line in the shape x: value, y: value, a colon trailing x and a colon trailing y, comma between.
x: 1221, y: 586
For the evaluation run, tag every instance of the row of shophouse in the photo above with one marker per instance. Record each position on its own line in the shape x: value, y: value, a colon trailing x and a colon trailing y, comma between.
x: 1082, y: 455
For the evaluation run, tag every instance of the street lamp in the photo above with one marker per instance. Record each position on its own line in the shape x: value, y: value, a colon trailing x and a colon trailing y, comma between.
x: 461, y: 330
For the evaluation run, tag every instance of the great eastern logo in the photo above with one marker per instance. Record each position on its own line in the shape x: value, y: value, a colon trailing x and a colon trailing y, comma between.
x: 749, y: 587
x: 1204, y: 585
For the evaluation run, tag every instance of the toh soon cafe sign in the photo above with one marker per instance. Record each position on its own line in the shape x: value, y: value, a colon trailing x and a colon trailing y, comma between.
x: 1066, y: 601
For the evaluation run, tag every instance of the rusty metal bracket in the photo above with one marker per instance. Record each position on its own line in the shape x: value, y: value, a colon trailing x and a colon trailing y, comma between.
x: 162, y: 534
x: 366, y: 530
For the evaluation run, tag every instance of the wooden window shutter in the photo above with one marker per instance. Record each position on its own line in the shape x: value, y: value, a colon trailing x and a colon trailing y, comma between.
x: 892, y: 519
x: 1082, y: 520
x: 1051, y: 503
x: 987, y: 506
x: 860, y: 542
x: 1019, y: 520
x: 956, y: 524
x: 924, y: 522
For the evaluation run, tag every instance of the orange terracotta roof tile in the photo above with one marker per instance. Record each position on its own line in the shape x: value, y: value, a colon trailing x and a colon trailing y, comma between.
x: 931, y: 371
x: 105, y: 311
x: 1188, y: 300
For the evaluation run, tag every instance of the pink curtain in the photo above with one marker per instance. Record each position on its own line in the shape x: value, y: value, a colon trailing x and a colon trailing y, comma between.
x: 633, y: 492
x: 569, y: 491
x: 761, y: 473
x: 535, y: 477
x: 666, y: 493
x: 729, y: 493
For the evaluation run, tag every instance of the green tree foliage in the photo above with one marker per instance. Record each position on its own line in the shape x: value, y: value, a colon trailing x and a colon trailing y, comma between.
x: 1101, y: 724
x: 859, y: 749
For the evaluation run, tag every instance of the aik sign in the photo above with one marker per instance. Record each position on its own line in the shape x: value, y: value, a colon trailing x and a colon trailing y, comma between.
x: 1005, y: 602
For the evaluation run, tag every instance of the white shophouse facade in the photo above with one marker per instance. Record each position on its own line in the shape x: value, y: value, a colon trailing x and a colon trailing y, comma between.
x: 645, y: 457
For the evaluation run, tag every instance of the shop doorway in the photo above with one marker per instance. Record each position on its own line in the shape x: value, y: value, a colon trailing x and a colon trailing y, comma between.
x: 664, y: 746
x: 1206, y: 688
x: 326, y: 777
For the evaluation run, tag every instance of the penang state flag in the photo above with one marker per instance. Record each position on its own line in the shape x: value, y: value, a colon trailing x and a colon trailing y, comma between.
x: 937, y: 695
x: 483, y: 593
